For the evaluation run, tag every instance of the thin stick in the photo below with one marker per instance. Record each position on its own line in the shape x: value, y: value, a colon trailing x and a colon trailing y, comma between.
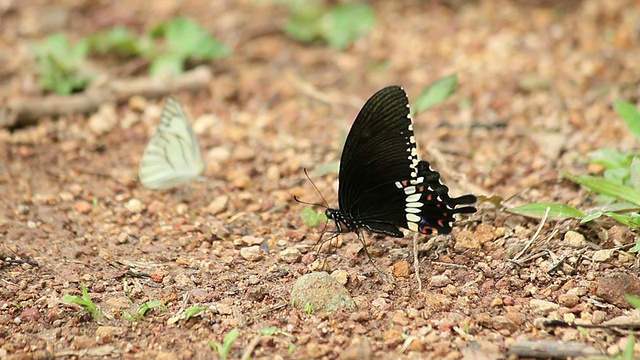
x: 533, y: 238
x: 416, y: 262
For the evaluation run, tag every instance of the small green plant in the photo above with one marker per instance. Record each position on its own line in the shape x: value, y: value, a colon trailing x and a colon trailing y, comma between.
x: 86, y: 302
x: 143, y: 309
x: 312, y: 218
x: 618, y: 188
x: 435, y: 93
x: 194, y: 311
x: 184, y: 40
x: 224, y: 349
x: 308, y: 308
x: 337, y: 26
x: 61, y: 66
x: 119, y: 40
x: 292, y: 349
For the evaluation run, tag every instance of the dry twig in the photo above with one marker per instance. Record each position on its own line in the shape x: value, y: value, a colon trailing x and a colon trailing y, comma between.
x: 23, y: 111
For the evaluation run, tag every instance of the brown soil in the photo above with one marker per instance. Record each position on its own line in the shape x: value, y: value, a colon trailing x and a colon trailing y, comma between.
x: 537, y: 81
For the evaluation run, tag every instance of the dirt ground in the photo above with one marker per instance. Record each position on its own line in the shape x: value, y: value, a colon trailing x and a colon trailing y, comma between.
x: 537, y: 80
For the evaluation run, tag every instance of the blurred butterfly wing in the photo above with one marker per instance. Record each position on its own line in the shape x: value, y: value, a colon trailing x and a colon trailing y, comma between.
x: 379, y: 150
x: 173, y: 155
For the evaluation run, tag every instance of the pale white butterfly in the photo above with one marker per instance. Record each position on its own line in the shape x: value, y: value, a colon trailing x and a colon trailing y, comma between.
x: 173, y: 155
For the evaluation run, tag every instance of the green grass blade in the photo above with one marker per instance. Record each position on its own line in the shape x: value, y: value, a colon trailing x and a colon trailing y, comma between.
x: 435, y: 93
x: 630, y: 114
x: 605, y: 187
x: 555, y: 210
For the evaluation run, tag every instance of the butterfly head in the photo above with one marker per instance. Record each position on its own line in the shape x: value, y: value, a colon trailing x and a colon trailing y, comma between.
x: 341, y: 222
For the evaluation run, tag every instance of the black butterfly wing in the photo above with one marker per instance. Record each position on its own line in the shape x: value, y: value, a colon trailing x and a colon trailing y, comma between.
x: 434, y: 209
x: 380, y: 150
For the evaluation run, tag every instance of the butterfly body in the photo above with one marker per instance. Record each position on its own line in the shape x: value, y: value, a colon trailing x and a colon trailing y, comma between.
x: 173, y: 155
x: 382, y: 185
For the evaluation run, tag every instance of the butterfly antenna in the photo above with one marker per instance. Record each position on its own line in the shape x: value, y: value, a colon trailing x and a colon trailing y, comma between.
x: 326, y: 204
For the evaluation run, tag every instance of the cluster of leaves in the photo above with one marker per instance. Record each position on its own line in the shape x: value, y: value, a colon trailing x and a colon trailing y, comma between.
x: 167, y: 47
x: 143, y: 309
x: 86, y: 303
x: 338, y: 26
x: 433, y: 94
x: 618, y: 187
x: 224, y: 349
x: 61, y: 66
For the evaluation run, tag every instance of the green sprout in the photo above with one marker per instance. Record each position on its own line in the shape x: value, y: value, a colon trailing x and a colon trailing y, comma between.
x: 194, y: 311
x: 86, y: 302
x: 618, y: 188
x: 311, y: 21
x: 312, y: 218
x: 308, y: 308
x: 435, y: 93
x: 60, y: 65
x: 184, y: 40
x: 143, y: 309
x: 224, y: 349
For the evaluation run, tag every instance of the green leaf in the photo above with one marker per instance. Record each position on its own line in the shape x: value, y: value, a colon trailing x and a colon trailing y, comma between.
x: 118, y: 39
x: 338, y: 26
x: 186, y: 38
x: 60, y: 66
x: 127, y: 316
x: 632, y: 221
x: 617, y: 175
x: 592, y: 217
x: 555, y: 210
x: 609, y: 158
x: 627, y: 354
x: 311, y: 218
x: 194, y: 311
x: 224, y: 349
x: 633, y: 300
x: 635, y: 247
x: 142, y: 310
x: 634, y: 173
x: 630, y: 114
x: 86, y: 302
x: 167, y: 64
x: 435, y: 93
x: 346, y: 23
x: 605, y: 187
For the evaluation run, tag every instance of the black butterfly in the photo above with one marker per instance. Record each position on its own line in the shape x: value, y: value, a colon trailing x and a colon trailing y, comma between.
x: 382, y: 184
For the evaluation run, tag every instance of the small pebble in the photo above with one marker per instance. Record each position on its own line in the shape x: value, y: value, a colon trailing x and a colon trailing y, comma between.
x: 341, y: 275
x: 218, y: 205
x: 576, y: 239
x: 542, y: 307
x: 251, y: 253
x: 104, y: 120
x: 401, y: 269
x: 602, y: 255
x: 82, y: 207
x: 134, y: 206
x: 568, y: 300
x: 252, y: 240
x: 290, y: 255
x: 439, y: 281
